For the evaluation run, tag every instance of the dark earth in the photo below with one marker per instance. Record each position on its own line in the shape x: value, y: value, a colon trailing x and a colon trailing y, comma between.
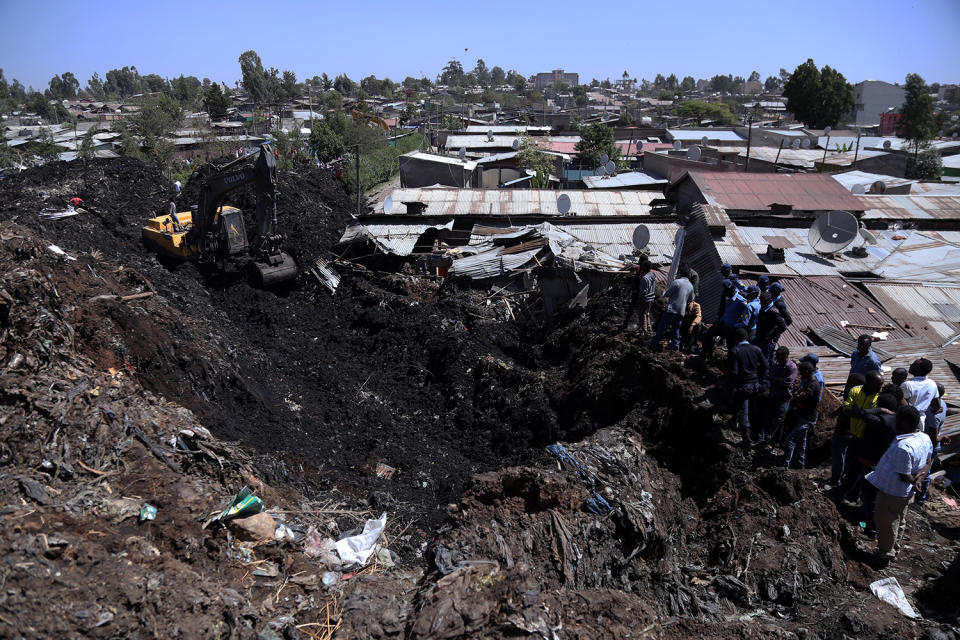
x: 305, y: 392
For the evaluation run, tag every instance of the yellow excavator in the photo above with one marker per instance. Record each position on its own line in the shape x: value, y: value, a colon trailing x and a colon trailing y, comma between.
x: 213, y: 231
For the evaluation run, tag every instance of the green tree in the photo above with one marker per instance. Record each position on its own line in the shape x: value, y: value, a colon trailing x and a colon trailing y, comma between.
x: 497, y: 76
x: 927, y: 165
x: 343, y: 85
x: 326, y: 82
x: 818, y: 98
x: 595, y: 140
x: 452, y: 74
x: 672, y: 83
x: 325, y: 143
x: 122, y: 83
x: 688, y: 84
x: 530, y: 156
x: 86, y: 144
x: 95, y: 87
x: 154, y: 83
x: 717, y: 111
x: 157, y: 116
x: 186, y: 89
x: 481, y: 73
x: 918, y: 124
x: 288, y: 85
x: 772, y: 83
x: 754, y: 77
x: 63, y: 87
x: 254, y: 76
x: 216, y: 103
x: 580, y: 95
x: 722, y: 83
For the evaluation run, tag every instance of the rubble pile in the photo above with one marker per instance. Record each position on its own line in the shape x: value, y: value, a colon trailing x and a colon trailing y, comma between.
x: 566, y: 484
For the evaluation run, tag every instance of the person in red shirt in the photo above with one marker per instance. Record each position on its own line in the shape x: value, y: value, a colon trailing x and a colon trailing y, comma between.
x: 76, y: 201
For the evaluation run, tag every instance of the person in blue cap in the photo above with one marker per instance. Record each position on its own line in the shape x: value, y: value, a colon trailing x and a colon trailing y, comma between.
x: 776, y: 291
x: 814, y: 359
x: 763, y: 281
x: 752, y: 294
x: 733, y: 316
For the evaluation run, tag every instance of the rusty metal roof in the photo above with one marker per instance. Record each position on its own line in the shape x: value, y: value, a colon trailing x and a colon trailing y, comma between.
x: 758, y: 191
x: 920, y: 257
x: 931, y: 311
x: 919, y: 207
x: 519, y: 202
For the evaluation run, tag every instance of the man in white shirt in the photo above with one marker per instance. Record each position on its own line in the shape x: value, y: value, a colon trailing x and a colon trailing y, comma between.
x: 901, y: 469
x: 919, y: 391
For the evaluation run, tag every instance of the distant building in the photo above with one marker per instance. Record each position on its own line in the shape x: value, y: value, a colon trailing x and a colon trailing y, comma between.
x: 555, y: 77
x: 949, y: 93
x: 889, y: 123
x: 871, y: 98
x: 751, y: 87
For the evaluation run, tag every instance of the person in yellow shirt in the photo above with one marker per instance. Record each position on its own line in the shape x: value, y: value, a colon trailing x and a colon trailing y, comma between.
x: 858, y: 401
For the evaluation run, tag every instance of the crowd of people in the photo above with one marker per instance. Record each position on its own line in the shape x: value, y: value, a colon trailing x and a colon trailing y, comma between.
x: 887, y: 433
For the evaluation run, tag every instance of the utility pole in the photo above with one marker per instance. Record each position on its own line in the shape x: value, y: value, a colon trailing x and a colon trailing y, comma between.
x: 746, y: 166
x: 357, y: 156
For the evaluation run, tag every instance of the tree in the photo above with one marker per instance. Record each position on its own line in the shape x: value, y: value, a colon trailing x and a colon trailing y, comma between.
x: 927, y: 165
x: 157, y: 115
x: 580, y: 95
x: 254, y: 76
x: 63, y: 87
x: 343, y: 85
x: 717, y: 111
x: 688, y: 84
x: 722, y: 83
x: 288, y: 85
x: 481, y: 73
x: 754, y: 77
x: 659, y: 82
x: 497, y: 76
x: 452, y: 74
x: 122, y: 83
x: 86, y: 144
x: 326, y: 82
x: 186, y: 89
x: 595, y: 140
x: 672, y: 83
x: 216, y: 103
x: 772, y: 83
x: 818, y: 98
x: 155, y: 84
x: 530, y: 156
x: 917, y: 121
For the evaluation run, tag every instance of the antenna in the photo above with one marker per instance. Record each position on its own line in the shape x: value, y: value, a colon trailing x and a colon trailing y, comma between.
x: 677, y: 145
x: 858, y: 190
x: 868, y: 237
x: 805, y: 143
x: 833, y: 232
x: 878, y: 187
x: 795, y: 145
x: 704, y: 141
x: 887, y: 144
x: 462, y: 153
x: 611, y: 167
x: 563, y: 204
x: 604, y: 159
x: 693, y: 153
x: 515, y: 144
x: 641, y: 236
x: 388, y: 205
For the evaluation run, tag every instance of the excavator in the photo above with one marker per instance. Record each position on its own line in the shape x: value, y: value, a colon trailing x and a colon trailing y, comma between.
x: 215, y: 232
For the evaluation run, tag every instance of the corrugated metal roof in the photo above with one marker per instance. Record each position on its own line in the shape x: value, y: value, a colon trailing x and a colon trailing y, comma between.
x: 617, y: 239
x: 931, y: 311
x: 936, y: 188
x: 700, y: 253
x: 912, y: 207
x: 468, y: 165
x: 480, y: 142
x: 491, y: 264
x: 849, y: 179
x: 921, y: 257
x: 695, y: 135
x: 757, y: 191
x: 505, y: 202
x: 800, y: 158
x: 623, y: 180
x: 398, y: 239
x: 504, y: 128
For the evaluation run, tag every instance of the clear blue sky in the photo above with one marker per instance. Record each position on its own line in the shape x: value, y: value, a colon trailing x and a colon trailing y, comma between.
x: 878, y: 39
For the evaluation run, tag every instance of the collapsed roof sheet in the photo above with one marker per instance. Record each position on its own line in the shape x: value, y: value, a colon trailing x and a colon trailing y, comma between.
x: 931, y: 311
x: 398, y: 239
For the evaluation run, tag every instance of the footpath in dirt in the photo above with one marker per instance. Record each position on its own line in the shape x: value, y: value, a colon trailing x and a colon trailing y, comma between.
x: 646, y: 522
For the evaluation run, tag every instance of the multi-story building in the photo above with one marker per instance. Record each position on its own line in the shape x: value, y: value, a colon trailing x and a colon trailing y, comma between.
x: 871, y: 98
x: 555, y: 77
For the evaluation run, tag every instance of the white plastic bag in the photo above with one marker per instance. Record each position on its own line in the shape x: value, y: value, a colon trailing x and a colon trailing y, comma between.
x: 358, y: 549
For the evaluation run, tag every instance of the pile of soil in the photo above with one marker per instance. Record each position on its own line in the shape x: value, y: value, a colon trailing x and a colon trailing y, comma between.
x: 494, y: 536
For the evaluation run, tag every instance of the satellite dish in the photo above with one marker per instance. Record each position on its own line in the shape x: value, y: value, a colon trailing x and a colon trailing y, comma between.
x: 868, y: 237
x: 878, y: 187
x: 805, y: 143
x: 490, y: 136
x: 795, y: 145
x: 604, y: 159
x: 563, y: 204
x: 826, y: 131
x: 388, y: 205
x: 887, y: 144
x: 858, y: 190
x: 641, y: 236
x: 677, y: 145
x: 833, y: 232
x: 602, y: 170
x: 462, y: 153
x: 704, y: 141
x: 611, y: 167
x: 940, y: 133
x: 693, y: 153
x: 515, y: 144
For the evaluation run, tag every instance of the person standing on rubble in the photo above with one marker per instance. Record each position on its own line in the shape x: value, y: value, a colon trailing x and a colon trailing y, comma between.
x: 691, y: 327
x: 679, y: 294
x: 76, y: 202
x: 864, y: 359
x: 642, y: 292
x: 901, y: 469
x: 727, y: 322
x: 919, y: 391
x: 753, y: 310
x: 770, y: 326
x: 803, y: 410
x: 783, y: 376
x: 693, y: 277
x: 880, y: 432
x: 748, y: 372
x: 814, y: 359
x: 840, y: 441
x: 859, y: 402
x: 776, y: 291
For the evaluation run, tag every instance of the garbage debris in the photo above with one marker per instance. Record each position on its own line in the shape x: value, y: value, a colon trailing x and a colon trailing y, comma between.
x: 53, y: 214
x: 888, y: 590
x: 358, y: 549
x: 243, y: 504
x: 259, y: 526
x: 385, y: 471
x: 60, y: 252
x: 148, y: 512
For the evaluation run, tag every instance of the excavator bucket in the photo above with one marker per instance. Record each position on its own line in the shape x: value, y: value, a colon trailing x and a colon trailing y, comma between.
x: 276, y: 270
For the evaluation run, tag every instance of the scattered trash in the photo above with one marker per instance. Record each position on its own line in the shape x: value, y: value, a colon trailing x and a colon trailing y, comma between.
x: 322, y: 548
x: 259, y: 526
x: 267, y: 570
x: 950, y: 501
x: 888, y: 590
x: 596, y: 504
x: 57, y: 469
x: 358, y: 549
x: 325, y: 275
x: 385, y: 471
x: 243, y: 504
x: 148, y: 512
x: 53, y: 214
x: 60, y: 252
x: 283, y: 532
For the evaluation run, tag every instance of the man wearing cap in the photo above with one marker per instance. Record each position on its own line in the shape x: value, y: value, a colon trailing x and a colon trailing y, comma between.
x: 753, y: 310
x: 814, y: 359
x: 763, y: 281
x: 776, y: 291
x: 642, y: 293
x: 679, y: 294
x: 770, y: 326
x: 728, y: 288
